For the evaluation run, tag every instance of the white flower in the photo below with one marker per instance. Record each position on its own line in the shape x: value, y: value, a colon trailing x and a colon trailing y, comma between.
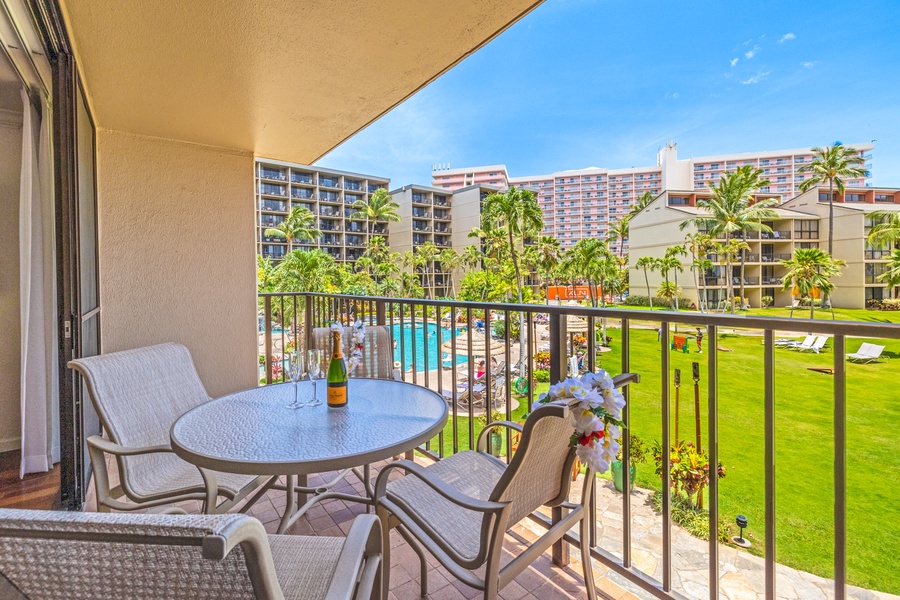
x: 614, y: 402
x: 585, y: 422
x: 593, y: 456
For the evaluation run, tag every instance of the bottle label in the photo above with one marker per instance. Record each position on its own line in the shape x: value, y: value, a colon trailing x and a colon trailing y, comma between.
x: 337, y: 394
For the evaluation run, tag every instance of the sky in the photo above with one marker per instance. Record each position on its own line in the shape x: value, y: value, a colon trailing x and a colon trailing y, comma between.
x: 606, y: 83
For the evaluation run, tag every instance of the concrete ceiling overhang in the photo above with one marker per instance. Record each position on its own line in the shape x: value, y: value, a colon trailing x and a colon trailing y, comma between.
x: 285, y: 79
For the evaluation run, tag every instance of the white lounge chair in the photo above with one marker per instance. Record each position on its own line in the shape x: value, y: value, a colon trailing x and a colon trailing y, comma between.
x: 787, y: 342
x: 138, y: 395
x: 460, y: 507
x: 192, y: 557
x: 816, y: 346
x: 805, y: 344
x: 867, y: 353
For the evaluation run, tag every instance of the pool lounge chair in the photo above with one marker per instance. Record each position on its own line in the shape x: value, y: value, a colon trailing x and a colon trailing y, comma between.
x: 867, y: 353
x: 816, y: 346
x: 805, y: 344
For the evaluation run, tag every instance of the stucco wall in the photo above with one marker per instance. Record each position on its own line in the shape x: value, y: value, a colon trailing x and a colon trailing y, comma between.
x: 10, y: 330
x: 177, y: 253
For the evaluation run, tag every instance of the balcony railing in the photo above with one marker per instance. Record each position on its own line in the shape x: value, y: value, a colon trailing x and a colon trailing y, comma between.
x: 877, y: 254
x: 775, y: 235
x: 421, y: 359
x: 770, y: 258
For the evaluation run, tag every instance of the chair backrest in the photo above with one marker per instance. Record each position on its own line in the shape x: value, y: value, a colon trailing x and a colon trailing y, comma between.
x: 809, y: 341
x: 540, y: 471
x: 46, y: 554
x: 820, y: 342
x: 139, y: 393
x: 874, y: 351
x: 378, y: 352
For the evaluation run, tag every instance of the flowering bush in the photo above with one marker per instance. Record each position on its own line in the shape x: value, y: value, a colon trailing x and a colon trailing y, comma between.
x: 542, y: 360
x: 689, y: 469
x: 595, y: 410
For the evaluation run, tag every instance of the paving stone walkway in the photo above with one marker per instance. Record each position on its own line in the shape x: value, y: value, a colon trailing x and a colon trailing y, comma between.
x: 741, y: 574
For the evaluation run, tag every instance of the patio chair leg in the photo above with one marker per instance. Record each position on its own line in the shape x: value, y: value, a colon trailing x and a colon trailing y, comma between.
x: 586, y: 565
x: 385, y: 517
x: 423, y: 563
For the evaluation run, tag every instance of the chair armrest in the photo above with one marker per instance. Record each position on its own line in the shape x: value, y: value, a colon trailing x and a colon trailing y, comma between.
x: 360, y: 560
x: 435, y: 483
x: 482, y: 437
x: 113, y: 448
x: 624, y: 379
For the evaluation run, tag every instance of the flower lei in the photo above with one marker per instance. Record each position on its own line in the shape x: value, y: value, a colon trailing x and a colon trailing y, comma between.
x: 357, y: 341
x: 595, y: 410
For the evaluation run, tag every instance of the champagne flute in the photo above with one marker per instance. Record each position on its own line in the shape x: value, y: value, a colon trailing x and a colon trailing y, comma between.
x: 314, y: 367
x: 295, y: 370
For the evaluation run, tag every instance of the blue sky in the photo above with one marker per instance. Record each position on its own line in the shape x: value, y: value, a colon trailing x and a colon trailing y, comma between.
x: 605, y: 83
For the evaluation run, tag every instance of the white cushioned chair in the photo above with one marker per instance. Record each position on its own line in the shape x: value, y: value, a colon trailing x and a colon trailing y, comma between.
x: 138, y: 395
x: 46, y: 554
x: 460, y: 507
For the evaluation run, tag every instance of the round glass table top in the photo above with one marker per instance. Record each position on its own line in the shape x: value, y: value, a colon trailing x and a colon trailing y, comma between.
x: 253, y: 432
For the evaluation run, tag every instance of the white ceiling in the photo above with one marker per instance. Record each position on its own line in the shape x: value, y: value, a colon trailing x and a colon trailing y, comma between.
x: 286, y: 79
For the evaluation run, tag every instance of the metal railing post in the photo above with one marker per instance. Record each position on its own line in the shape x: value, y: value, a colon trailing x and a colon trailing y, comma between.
x: 558, y: 363
x: 840, y: 468
x: 308, y: 322
x: 380, y: 313
x: 769, y: 427
x: 268, y: 329
x: 713, y: 450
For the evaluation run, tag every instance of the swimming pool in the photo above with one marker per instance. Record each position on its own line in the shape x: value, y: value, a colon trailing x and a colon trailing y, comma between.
x: 404, y: 350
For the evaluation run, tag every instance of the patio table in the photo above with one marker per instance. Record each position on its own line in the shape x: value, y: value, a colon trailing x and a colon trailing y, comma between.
x: 253, y: 432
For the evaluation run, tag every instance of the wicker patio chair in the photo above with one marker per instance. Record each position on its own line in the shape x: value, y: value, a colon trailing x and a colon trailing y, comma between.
x: 138, y: 395
x: 460, y: 507
x: 378, y: 356
x: 46, y: 554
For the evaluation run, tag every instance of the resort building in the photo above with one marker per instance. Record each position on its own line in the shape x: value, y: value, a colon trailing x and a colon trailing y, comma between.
x: 430, y: 214
x: 802, y: 223
x: 328, y: 194
x: 454, y: 179
x: 584, y: 203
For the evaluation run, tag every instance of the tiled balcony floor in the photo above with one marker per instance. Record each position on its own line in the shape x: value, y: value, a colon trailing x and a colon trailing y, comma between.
x: 541, y: 581
x: 333, y: 517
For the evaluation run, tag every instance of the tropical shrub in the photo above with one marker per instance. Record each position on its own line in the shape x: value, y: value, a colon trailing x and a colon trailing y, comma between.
x: 636, y: 300
x: 767, y: 301
x: 542, y: 375
x: 689, y: 470
x: 890, y: 304
x: 542, y: 361
x: 873, y: 304
x: 694, y: 520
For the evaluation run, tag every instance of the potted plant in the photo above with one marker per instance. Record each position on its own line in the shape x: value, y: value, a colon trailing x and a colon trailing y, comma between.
x: 637, y: 453
x: 496, y: 435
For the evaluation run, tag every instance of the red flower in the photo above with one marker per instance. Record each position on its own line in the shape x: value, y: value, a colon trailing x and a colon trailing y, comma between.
x: 586, y: 439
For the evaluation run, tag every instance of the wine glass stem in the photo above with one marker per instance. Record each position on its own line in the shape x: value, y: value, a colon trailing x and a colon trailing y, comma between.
x: 314, y: 395
x: 295, y: 393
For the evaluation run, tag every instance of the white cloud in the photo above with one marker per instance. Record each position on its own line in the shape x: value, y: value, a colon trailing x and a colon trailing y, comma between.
x: 761, y: 76
x: 787, y: 37
x: 734, y: 61
x: 809, y: 64
x: 751, y: 53
x: 672, y: 96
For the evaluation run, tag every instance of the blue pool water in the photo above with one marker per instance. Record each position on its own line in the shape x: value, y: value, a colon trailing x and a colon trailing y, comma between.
x: 417, y: 338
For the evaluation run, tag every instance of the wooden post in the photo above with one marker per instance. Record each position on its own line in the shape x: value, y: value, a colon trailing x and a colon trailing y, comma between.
x: 696, y: 367
x: 677, y: 403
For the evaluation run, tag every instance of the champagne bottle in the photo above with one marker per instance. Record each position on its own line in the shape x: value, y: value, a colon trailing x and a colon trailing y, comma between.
x: 337, y: 374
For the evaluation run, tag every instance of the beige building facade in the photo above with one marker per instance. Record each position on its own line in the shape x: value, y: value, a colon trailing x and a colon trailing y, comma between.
x: 802, y: 223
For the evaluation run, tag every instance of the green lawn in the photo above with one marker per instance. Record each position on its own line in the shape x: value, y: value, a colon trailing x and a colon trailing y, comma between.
x: 804, y: 446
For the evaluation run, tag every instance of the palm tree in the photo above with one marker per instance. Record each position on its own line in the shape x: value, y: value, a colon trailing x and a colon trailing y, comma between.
x: 699, y: 244
x: 885, y: 228
x: 891, y: 277
x: 305, y: 271
x: 618, y: 230
x: 472, y: 257
x: 591, y: 260
x: 733, y: 211
x: 415, y: 262
x: 675, y: 252
x: 380, y: 208
x: 547, y: 249
x: 427, y: 253
x: 809, y: 273
x: 667, y: 263
x: 299, y: 225
x: 668, y: 290
x: 727, y: 253
x: 642, y: 202
x: 516, y: 213
x: 386, y: 274
x: 648, y: 263
x: 451, y: 263
x: 377, y: 248
x: 832, y: 164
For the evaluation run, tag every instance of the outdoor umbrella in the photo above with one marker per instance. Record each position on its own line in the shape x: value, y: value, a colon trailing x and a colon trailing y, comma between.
x: 482, y: 345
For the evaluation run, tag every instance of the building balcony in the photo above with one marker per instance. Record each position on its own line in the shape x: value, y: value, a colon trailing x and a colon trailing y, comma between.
x: 774, y: 258
x: 775, y: 235
x: 878, y: 254
x: 268, y: 205
x: 329, y: 182
x: 333, y: 198
x: 273, y: 175
x: 635, y: 519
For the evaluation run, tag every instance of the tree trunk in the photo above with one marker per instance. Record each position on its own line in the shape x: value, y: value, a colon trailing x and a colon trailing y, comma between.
x: 522, y: 328
x: 825, y: 299
x: 742, y: 280
x: 649, y: 295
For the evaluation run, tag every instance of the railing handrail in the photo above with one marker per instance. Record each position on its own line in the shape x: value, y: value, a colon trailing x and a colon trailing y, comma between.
x: 836, y: 326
